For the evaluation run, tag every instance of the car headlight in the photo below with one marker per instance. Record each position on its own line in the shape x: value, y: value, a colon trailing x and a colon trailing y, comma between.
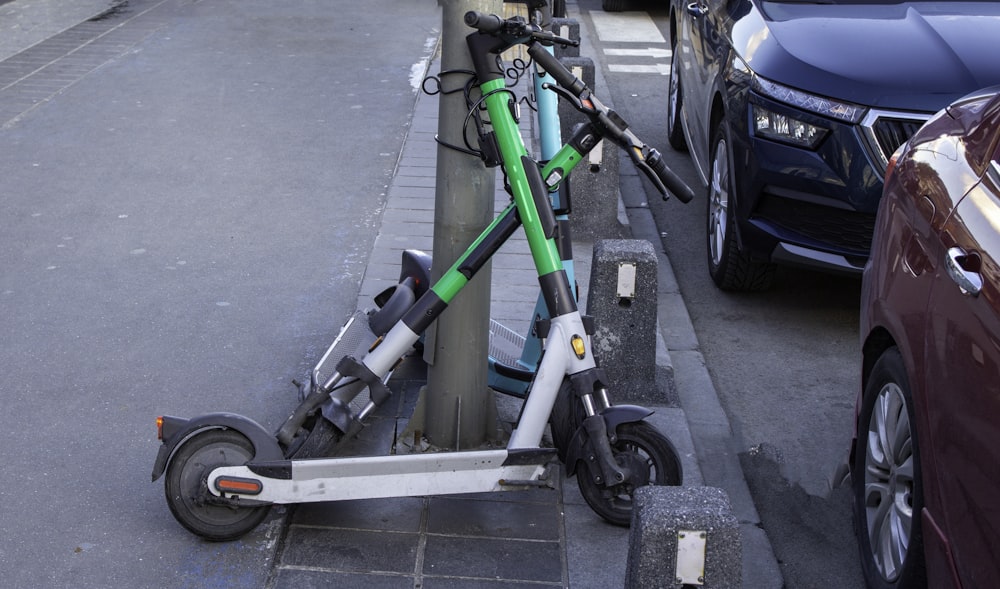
x: 789, y: 129
x: 834, y: 109
x: 786, y: 129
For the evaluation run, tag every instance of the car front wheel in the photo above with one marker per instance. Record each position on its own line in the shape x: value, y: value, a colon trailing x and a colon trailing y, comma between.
x: 888, y: 493
x: 675, y: 98
x: 729, y: 266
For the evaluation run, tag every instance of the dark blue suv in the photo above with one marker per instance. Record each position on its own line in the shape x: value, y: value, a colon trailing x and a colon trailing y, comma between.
x: 791, y: 109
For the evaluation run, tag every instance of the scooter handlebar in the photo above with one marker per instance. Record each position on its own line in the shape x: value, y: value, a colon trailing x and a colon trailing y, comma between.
x: 487, y: 23
x: 646, y: 158
x: 515, y: 29
x: 667, y: 177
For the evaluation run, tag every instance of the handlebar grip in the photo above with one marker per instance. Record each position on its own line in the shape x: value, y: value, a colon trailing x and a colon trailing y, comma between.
x: 487, y: 23
x: 672, y: 181
x: 559, y: 72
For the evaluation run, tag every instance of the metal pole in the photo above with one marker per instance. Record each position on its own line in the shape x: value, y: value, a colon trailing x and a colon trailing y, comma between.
x: 460, y: 409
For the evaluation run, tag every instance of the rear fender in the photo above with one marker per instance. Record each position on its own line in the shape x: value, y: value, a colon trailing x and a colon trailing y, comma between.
x: 177, y: 430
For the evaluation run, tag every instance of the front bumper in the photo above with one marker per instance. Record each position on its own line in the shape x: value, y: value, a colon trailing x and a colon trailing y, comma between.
x: 811, y: 207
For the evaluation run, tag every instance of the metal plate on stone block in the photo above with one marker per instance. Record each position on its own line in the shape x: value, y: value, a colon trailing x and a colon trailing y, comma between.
x: 626, y: 280
x: 691, y: 557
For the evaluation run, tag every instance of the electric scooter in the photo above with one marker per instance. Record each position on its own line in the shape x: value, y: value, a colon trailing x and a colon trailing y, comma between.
x: 223, y: 471
x: 513, y: 357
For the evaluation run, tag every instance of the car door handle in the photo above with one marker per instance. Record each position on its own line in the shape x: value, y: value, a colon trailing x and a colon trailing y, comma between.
x: 697, y: 9
x: 957, y: 262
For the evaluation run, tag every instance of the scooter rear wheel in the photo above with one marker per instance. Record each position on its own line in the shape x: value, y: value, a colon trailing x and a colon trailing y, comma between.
x: 186, y: 486
x: 651, y: 459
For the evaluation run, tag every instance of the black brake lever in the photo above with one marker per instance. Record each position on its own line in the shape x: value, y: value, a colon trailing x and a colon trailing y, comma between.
x: 586, y: 108
x: 645, y: 168
x: 546, y: 38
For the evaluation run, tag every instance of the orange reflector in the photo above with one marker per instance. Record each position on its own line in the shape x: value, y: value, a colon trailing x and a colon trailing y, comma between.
x: 159, y: 428
x: 578, y: 347
x: 238, y: 485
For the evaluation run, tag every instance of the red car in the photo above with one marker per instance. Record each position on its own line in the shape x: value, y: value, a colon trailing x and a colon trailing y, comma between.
x: 926, y: 457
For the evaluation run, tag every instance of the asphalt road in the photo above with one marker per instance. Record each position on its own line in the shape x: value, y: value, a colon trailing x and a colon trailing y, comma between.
x: 184, y: 229
x: 785, y: 363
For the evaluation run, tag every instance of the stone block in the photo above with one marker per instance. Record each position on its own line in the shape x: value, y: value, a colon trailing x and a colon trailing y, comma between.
x: 621, y: 298
x: 691, y: 525
x: 594, y: 184
x: 568, y: 28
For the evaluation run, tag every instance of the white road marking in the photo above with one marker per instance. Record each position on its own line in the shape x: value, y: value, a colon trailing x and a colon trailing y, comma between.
x: 659, y: 68
x: 647, y: 52
x: 632, y: 27
x: 628, y: 27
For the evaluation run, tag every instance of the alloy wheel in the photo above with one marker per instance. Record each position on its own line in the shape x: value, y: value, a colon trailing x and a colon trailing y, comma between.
x: 718, y: 208
x: 889, y: 481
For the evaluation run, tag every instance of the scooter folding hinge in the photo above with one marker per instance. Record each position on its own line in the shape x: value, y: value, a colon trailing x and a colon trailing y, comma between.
x: 348, y: 366
x: 542, y: 326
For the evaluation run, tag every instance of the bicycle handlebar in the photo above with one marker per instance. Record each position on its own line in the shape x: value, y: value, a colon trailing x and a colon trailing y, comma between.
x: 611, y: 125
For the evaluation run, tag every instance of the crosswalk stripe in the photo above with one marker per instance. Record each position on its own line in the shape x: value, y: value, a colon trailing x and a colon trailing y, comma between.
x: 659, y: 68
x: 631, y: 27
x: 647, y: 52
x: 627, y: 27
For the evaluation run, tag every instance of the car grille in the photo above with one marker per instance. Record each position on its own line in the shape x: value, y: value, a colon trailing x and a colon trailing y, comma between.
x: 886, y: 131
x: 837, y: 228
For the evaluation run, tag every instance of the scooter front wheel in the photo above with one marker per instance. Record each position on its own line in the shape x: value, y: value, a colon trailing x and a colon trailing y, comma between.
x: 650, y: 458
x: 319, y: 437
x: 186, y: 486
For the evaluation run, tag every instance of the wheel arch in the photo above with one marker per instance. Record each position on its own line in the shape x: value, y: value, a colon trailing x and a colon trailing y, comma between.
x: 876, y: 344
x: 717, y: 114
x: 672, y: 20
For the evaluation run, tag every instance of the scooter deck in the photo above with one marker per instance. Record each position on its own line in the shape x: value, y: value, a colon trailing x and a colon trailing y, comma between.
x: 408, y: 475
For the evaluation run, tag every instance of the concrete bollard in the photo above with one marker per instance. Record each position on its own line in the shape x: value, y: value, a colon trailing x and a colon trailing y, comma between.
x: 621, y: 298
x: 569, y: 117
x: 683, y: 537
x: 567, y: 28
x: 594, y: 184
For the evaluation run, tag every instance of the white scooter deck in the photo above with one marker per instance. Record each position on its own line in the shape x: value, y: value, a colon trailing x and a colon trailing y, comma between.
x: 408, y: 475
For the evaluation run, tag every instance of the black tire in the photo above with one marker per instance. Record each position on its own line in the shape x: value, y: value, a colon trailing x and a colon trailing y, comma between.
x: 322, y: 436
x: 730, y: 268
x: 637, y: 444
x: 675, y: 102
x: 888, y: 492
x: 186, y: 486
x: 613, y: 5
x: 566, y: 417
